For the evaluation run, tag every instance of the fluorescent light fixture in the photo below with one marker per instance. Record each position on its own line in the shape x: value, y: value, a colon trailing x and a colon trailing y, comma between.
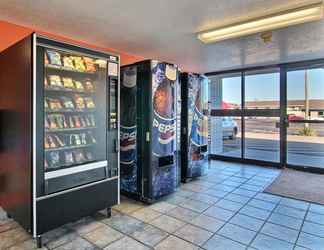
x: 282, y: 19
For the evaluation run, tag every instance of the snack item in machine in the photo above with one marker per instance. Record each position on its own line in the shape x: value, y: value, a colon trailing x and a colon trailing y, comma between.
x: 68, y: 62
x: 88, y: 85
x: 90, y: 64
x: 46, y: 123
x: 46, y: 144
x: 91, y: 138
x: 79, y: 102
x: 61, y: 121
x: 59, y: 141
x: 45, y: 82
x: 54, y: 104
x: 50, y: 141
x: 67, y: 102
x: 68, y: 158
x: 79, y: 63
x: 71, y: 122
x: 68, y: 83
x: 89, y: 103
x: 54, y: 158
x: 79, y: 86
x: 46, y: 104
x: 55, y: 81
x: 89, y: 156
x: 54, y: 57
x: 77, y: 122
x: 79, y: 156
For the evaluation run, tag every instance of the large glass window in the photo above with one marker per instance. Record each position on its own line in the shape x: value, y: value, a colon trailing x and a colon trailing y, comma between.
x: 262, y: 89
x: 226, y: 93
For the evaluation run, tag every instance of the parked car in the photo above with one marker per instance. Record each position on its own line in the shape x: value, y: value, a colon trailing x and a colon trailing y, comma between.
x: 230, y: 128
x: 293, y: 117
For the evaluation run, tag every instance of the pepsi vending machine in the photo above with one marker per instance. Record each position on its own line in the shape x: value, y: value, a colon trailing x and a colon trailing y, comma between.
x: 148, y: 146
x: 194, y: 123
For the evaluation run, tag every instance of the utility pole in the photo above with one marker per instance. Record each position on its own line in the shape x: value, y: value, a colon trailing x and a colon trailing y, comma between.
x: 306, y: 98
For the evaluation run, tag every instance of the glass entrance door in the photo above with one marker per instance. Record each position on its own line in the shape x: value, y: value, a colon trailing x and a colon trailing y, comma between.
x: 305, y: 117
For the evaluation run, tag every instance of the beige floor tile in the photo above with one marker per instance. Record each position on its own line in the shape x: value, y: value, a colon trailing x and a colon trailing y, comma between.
x: 146, y: 214
x: 103, y: 236
x: 149, y: 235
x: 183, y: 214
x: 126, y: 243
x: 173, y: 242
x: 12, y: 237
x: 162, y: 207
x: 167, y: 223
x: 193, y: 234
x: 209, y: 223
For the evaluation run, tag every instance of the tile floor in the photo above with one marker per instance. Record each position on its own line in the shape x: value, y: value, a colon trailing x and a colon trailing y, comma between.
x: 224, y: 210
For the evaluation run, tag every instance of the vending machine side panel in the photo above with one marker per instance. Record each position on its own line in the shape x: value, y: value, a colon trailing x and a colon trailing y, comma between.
x: 16, y: 132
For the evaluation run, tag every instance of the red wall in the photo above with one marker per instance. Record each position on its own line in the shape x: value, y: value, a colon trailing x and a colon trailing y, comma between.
x: 11, y: 33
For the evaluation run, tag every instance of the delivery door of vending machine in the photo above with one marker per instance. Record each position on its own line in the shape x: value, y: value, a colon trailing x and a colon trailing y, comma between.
x: 194, y: 132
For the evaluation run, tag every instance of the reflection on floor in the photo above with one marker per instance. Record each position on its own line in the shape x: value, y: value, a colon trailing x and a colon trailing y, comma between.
x: 225, y: 210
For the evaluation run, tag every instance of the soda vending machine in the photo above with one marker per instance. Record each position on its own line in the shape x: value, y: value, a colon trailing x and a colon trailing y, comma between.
x: 194, y: 124
x: 148, y: 132
x: 59, y: 133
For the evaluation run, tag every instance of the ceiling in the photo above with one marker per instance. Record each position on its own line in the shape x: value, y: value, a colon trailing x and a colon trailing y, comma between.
x: 165, y: 29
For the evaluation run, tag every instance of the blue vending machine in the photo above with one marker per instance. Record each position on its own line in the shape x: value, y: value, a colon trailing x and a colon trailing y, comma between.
x: 194, y: 125
x: 148, y: 146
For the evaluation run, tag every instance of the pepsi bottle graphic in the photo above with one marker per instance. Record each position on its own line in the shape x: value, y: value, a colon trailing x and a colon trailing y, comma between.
x: 128, y: 167
x: 163, y: 130
x: 199, y: 128
x: 164, y: 119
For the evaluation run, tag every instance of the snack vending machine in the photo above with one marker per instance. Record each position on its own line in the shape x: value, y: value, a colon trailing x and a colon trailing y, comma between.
x: 60, y: 139
x: 194, y: 124
x: 148, y: 145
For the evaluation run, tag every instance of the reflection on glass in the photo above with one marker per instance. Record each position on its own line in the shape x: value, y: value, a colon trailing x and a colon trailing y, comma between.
x: 226, y: 136
x: 305, y: 101
x: 305, y: 94
x: 305, y: 149
x: 262, y: 139
x: 262, y: 89
x: 226, y: 91
x: 74, y: 105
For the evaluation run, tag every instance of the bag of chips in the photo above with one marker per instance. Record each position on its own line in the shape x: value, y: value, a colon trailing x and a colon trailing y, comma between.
x: 54, y: 159
x: 90, y: 64
x: 68, y: 83
x: 54, y: 104
x: 54, y: 57
x: 68, y: 62
x: 89, y: 156
x: 79, y: 102
x: 79, y: 156
x: 79, y: 86
x: 55, y: 81
x: 79, y: 63
x: 67, y: 102
x: 89, y: 103
x: 77, y: 122
x: 68, y: 158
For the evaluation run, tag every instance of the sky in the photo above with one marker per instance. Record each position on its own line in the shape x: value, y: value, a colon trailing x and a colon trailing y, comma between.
x: 266, y: 86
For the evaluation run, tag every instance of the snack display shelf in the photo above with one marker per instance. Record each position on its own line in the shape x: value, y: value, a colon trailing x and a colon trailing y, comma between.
x: 71, y: 111
x: 67, y: 129
x: 62, y: 68
x: 70, y: 147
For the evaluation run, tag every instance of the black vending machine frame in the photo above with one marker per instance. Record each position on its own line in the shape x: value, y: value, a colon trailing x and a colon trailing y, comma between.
x: 39, y: 212
x: 144, y: 121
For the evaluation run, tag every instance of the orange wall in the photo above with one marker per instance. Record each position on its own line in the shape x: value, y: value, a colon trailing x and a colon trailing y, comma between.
x: 11, y: 33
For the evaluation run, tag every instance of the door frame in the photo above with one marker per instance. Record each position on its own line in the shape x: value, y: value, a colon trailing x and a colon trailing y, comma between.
x: 283, y: 69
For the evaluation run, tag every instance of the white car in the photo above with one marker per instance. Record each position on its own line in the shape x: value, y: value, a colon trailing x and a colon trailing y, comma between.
x: 230, y: 128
